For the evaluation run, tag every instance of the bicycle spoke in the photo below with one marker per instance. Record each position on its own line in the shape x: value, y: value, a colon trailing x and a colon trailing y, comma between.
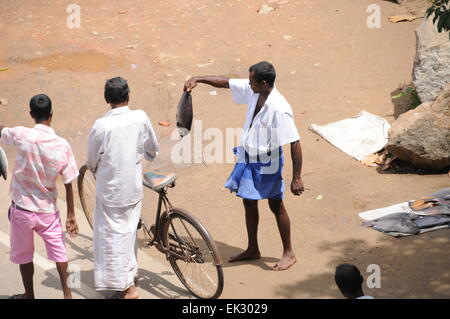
x: 197, y: 270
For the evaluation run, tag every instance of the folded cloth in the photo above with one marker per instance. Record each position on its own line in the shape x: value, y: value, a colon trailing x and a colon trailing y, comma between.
x: 257, y: 178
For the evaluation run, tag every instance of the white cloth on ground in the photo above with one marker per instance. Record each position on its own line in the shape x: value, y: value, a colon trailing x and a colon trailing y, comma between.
x: 358, y: 137
x: 382, y: 212
x: 115, y: 246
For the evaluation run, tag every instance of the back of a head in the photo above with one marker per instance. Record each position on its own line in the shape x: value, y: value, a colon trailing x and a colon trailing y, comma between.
x: 41, y: 107
x: 349, y: 279
x: 116, y: 91
x: 264, y: 71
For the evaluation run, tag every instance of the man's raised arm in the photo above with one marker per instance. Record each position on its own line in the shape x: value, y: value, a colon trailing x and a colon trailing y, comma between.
x: 216, y: 81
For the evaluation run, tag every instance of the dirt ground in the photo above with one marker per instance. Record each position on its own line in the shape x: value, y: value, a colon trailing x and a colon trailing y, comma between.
x: 331, y: 67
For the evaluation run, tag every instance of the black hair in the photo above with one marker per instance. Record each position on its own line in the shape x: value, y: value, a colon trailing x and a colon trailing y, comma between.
x: 41, y: 107
x: 348, y: 278
x: 264, y: 71
x: 116, y: 91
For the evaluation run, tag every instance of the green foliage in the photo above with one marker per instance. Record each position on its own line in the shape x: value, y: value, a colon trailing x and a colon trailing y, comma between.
x: 411, y: 94
x: 441, y: 11
x: 414, y: 99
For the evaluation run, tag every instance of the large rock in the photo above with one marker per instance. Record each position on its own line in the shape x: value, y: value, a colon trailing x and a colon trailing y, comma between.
x: 432, y: 62
x: 422, y: 136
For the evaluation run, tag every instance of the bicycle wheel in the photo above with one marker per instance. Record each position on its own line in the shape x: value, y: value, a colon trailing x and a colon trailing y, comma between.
x: 86, y: 190
x: 193, y: 254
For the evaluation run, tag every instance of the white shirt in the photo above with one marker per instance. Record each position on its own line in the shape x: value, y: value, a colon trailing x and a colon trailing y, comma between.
x: 274, y: 124
x: 117, y: 143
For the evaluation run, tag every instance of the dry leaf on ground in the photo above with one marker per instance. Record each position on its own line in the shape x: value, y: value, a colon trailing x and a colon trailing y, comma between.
x: 403, y: 17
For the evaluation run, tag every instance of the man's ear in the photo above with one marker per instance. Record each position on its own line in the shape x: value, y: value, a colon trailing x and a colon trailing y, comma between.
x: 31, y: 114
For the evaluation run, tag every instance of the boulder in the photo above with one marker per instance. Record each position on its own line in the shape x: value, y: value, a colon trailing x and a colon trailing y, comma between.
x: 422, y: 136
x: 431, y: 70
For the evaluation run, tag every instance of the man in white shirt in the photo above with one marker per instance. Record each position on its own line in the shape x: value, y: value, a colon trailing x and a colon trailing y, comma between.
x: 257, y: 174
x: 117, y: 143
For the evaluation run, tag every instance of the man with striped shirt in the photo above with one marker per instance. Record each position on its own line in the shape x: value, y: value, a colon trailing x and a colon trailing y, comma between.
x: 41, y: 157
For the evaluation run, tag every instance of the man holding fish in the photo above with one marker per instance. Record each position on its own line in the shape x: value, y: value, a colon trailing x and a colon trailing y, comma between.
x: 257, y: 174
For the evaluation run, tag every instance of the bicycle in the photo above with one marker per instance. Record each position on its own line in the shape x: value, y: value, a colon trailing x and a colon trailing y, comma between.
x: 188, y: 246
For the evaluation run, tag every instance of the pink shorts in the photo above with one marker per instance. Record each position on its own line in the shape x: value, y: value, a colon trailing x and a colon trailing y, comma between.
x: 48, y: 226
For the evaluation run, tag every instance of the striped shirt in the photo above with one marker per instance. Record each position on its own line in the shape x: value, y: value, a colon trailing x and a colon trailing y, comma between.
x: 41, y: 157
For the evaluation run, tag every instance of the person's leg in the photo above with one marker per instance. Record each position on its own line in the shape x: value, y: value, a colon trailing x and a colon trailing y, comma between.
x: 27, y: 272
x: 64, y: 276
x: 135, y: 214
x: 22, y: 248
x: 49, y: 227
x: 115, y: 249
x: 284, y: 227
x: 131, y: 293
x: 251, y: 220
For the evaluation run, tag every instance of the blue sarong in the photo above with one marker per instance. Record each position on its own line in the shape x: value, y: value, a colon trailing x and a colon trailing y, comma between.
x: 258, y: 178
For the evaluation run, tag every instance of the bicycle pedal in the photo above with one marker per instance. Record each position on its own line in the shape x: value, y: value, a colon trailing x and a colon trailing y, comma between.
x: 139, y: 226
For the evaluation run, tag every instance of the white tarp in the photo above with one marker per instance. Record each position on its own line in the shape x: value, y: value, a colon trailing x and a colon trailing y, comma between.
x: 382, y: 212
x: 358, y: 136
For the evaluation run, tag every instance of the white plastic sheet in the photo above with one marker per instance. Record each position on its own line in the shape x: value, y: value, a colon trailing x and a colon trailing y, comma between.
x: 358, y: 136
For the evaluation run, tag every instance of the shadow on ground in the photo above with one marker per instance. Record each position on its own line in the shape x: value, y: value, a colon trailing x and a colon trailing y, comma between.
x: 227, y: 251
x: 149, y: 281
x: 424, y: 258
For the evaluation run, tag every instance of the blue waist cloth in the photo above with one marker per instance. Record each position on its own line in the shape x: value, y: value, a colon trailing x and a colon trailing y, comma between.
x: 258, y: 177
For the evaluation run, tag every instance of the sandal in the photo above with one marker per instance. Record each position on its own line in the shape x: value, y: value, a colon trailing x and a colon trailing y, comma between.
x: 116, y: 295
x: 119, y: 295
x: 18, y: 296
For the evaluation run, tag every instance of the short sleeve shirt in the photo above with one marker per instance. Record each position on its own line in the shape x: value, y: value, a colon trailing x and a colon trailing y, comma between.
x: 41, y: 157
x: 272, y: 127
x: 117, y: 143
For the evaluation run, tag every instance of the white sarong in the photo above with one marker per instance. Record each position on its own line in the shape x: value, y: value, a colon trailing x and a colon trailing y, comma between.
x: 115, y: 247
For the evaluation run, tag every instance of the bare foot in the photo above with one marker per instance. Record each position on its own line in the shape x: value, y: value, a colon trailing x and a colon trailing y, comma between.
x: 131, y: 293
x: 286, y: 262
x: 245, y: 255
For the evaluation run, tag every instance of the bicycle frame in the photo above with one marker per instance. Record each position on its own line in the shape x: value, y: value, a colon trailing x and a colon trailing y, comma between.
x: 156, y: 240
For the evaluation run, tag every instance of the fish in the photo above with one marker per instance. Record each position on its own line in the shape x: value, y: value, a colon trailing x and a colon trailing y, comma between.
x: 435, y: 210
x: 397, y: 222
x: 185, y: 114
x: 3, y: 164
x: 442, y: 193
x: 431, y: 221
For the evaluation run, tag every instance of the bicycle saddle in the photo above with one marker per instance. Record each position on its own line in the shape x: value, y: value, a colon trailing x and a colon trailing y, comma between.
x: 157, y: 182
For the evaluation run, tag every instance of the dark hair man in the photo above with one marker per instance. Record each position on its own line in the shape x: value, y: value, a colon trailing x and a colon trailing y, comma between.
x: 257, y: 174
x: 349, y: 281
x: 41, y: 157
x: 116, y: 145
